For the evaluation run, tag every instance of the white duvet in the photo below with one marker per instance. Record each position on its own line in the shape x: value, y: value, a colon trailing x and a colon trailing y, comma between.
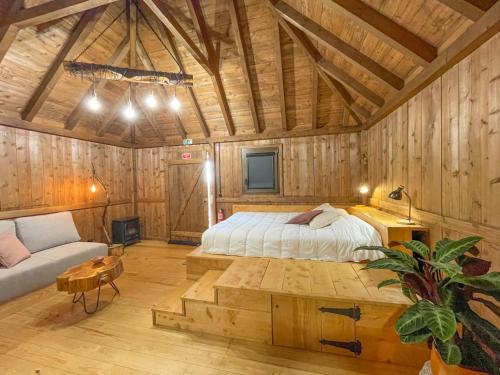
x: 265, y: 234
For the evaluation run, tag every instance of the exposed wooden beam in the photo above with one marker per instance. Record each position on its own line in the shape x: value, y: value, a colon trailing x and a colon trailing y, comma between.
x: 314, y: 56
x: 132, y: 32
x: 164, y: 97
x: 169, y: 41
x: 77, y: 112
x: 336, y: 44
x: 349, y: 81
x: 266, y: 135
x: 474, y: 37
x: 8, y: 32
x: 465, y: 8
x: 314, y: 100
x: 111, y: 115
x: 386, y: 30
x: 51, y: 10
x: 75, y: 134
x: 199, y: 21
x: 279, y: 70
x: 76, y: 39
x: 240, y: 44
x: 169, y: 20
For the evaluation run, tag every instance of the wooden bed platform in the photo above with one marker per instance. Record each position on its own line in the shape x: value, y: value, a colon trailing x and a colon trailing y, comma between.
x: 308, y: 304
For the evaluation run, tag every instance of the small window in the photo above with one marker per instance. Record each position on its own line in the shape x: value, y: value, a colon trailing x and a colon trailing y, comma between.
x: 260, y: 170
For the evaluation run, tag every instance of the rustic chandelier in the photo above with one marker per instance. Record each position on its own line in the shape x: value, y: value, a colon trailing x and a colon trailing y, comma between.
x: 96, y: 72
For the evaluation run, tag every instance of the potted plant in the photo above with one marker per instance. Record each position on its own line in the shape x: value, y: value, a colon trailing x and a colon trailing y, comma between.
x: 441, y: 284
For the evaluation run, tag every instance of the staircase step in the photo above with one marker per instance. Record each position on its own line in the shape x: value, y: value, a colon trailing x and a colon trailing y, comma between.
x: 203, y: 289
x: 173, y: 302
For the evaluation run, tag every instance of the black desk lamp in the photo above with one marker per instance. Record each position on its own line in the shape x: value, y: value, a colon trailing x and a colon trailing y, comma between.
x: 398, y: 195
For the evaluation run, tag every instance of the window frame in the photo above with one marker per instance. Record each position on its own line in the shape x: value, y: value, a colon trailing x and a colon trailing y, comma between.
x: 244, y: 168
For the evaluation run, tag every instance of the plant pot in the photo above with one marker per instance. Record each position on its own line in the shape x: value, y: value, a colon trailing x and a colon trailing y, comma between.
x: 439, y: 367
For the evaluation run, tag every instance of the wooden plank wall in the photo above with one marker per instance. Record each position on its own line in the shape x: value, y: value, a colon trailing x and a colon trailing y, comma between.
x: 444, y: 145
x: 313, y: 170
x: 42, y: 173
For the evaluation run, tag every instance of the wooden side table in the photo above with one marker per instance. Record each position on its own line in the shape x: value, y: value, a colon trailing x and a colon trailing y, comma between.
x: 116, y: 249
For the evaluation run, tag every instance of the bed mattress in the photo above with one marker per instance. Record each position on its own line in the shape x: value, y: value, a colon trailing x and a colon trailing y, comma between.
x: 266, y: 234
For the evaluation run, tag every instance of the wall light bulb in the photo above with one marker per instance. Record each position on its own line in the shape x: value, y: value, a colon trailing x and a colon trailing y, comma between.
x: 129, y: 112
x: 93, y: 103
x: 175, y: 103
x: 364, y: 189
x: 93, y: 188
x: 151, y: 101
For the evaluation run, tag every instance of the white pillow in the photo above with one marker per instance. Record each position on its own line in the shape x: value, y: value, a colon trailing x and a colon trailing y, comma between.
x: 45, y: 231
x: 324, y: 219
x: 325, y: 207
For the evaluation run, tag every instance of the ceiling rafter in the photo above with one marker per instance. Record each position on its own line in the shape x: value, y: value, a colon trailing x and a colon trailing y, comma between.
x: 75, y: 115
x: 240, y: 44
x: 386, y: 30
x: 336, y: 44
x: 279, y: 70
x: 8, y: 31
x: 314, y: 56
x: 199, y: 21
x: 168, y: 19
x: 164, y: 97
x: 465, y: 8
x: 75, y: 40
x: 168, y: 39
x: 476, y: 35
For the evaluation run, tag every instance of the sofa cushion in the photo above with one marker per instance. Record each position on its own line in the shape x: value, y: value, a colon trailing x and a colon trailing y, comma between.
x: 7, y: 227
x: 72, y: 254
x: 12, y: 251
x: 31, y: 274
x: 46, y: 231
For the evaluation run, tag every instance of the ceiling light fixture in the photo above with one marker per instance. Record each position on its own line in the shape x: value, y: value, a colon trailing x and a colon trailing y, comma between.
x: 92, y: 102
x: 151, y: 101
x: 129, y: 112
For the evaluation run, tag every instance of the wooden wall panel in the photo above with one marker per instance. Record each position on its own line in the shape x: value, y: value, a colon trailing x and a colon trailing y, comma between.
x: 452, y: 136
x: 42, y: 173
x: 313, y: 169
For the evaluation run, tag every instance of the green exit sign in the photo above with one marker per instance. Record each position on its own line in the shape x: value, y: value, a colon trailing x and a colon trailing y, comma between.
x: 187, y: 141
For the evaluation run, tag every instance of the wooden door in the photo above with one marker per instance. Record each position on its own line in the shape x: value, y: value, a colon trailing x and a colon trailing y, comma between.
x: 188, y: 193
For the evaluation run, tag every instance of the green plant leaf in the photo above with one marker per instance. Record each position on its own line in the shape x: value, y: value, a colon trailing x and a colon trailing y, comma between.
x: 488, y: 282
x: 439, y: 319
x: 454, y: 249
x: 391, y: 264
x: 415, y: 337
x: 449, y: 352
x: 388, y: 282
x: 417, y: 247
x: 450, y: 268
x: 486, y: 332
x: 440, y: 245
x: 474, y: 356
x: 379, y: 248
x: 410, y: 321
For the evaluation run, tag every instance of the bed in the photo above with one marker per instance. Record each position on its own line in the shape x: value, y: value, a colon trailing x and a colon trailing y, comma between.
x: 266, y: 234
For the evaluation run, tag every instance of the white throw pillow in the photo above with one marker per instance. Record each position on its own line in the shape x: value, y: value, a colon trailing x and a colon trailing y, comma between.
x: 45, y: 231
x: 325, y: 207
x: 324, y: 219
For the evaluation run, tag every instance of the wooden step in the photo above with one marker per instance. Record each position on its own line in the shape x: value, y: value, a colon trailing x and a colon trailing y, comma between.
x: 173, y: 303
x: 198, y: 263
x: 203, y: 289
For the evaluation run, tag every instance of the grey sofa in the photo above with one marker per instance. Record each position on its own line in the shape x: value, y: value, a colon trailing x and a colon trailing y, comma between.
x: 55, y: 245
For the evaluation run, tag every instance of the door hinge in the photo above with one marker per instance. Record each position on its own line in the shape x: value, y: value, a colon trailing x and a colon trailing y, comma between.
x: 352, y: 312
x: 352, y: 346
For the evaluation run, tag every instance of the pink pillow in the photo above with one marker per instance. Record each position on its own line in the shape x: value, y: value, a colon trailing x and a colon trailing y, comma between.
x: 305, y: 217
x: 12, y: 251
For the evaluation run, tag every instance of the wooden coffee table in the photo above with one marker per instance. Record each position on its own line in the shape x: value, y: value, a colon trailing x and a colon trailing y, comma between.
x: 89, y: 276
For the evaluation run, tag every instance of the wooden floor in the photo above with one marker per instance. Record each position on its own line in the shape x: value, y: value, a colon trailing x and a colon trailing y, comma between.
x: 44, y: 333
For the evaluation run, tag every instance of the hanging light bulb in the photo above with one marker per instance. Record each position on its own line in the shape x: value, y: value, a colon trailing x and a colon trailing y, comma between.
x: 175, y: 103
x: 151, y: 101
x: 92, y: 102
x: 93, y: 188
x: 129, y: 112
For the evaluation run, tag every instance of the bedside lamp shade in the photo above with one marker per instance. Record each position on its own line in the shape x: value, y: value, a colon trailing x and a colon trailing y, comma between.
x: 398, y: 195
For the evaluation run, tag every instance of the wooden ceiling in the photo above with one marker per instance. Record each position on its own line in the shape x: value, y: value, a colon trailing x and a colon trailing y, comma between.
x: 261, y: 68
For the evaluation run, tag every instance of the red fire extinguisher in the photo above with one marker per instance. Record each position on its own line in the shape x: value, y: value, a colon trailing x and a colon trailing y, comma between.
x: 220, y: 215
